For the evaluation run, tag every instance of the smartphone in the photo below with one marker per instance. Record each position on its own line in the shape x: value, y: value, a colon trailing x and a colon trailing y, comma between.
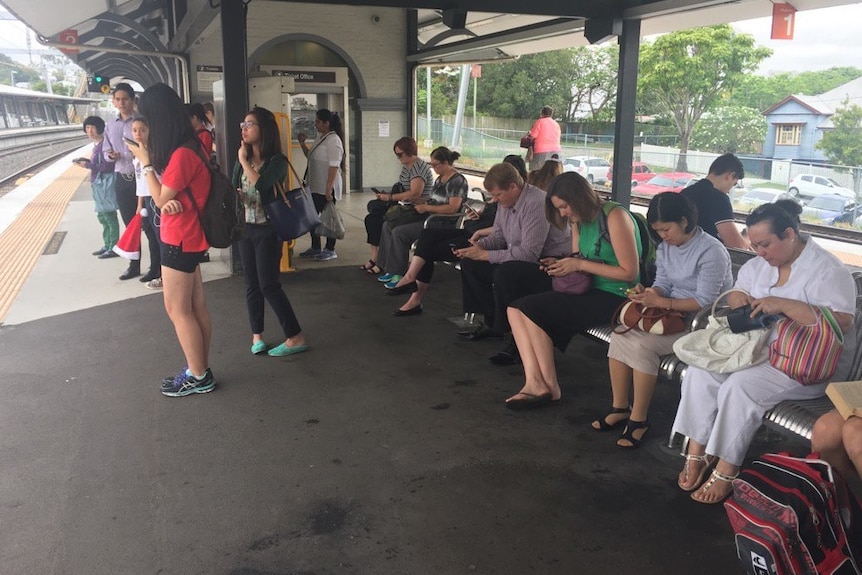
x: 131, y: 142
x: 472, y: 211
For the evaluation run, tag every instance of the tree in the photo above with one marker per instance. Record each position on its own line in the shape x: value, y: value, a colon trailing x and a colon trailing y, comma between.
x: 521, y: 88
x: 684, y: 74
x: 762, y: 92
x: 730, y: 129
x: 843, y: 143
x: 592, y: 77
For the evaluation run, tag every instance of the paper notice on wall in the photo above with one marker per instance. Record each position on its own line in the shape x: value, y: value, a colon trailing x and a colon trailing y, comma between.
x: 206, y: 75
x: 383, y: 129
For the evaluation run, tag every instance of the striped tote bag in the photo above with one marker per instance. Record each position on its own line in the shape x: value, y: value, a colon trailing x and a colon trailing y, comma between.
x: 808, y: 353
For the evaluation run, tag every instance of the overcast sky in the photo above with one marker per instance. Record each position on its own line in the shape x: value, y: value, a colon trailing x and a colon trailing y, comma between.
x: 822, y: 39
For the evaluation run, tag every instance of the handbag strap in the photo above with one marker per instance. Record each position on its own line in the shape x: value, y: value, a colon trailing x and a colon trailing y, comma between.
x: 302, y: 185
x: 723, y: 295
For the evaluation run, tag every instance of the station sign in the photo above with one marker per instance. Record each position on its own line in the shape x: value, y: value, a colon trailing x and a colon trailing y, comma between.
x: 783, y: 21
x: 69, y: 36
x: 315, y: 76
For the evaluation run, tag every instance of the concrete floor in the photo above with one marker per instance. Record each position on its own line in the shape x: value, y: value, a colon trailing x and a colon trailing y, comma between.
x: 384, y: 450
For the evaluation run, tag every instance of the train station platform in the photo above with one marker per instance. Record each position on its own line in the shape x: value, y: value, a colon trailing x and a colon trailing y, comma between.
x: 386, y: 449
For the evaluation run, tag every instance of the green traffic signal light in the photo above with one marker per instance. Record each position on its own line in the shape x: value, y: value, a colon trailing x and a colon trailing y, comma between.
x: 98, y: 79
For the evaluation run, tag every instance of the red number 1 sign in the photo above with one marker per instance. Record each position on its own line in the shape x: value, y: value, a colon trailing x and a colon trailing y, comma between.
x: 783, y: 20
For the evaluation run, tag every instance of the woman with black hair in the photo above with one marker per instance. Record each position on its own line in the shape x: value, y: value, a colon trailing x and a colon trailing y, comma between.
x: 174, y: 151
x: 693, y: 268
x: 447, y: 196
x: 325, y: 164
x: 261, y: 165
x: 720, y: 413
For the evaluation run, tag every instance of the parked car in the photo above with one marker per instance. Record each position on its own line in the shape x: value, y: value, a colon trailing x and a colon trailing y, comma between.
x: 666, y: 182
x: 759, y: 196
x: 830, y: 209
x: 595, y: 170
x: 640, y: 173
x: 809, y: 186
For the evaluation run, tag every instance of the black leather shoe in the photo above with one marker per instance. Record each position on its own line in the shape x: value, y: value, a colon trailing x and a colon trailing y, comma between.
x: 131, y: 272
x: 483, y: 332
x: 404, y: 313
x: 150, y: 275
x: 507, y: 356
x: 100, y: 251
x: 406, y: 288
x: 108, y: 255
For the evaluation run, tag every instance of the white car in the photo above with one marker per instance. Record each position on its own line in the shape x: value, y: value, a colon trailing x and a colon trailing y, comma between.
x: 809, y: 186
x: 595, y: 170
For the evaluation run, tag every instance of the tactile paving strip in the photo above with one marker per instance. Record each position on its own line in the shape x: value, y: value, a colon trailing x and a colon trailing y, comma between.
x: 21, y: 244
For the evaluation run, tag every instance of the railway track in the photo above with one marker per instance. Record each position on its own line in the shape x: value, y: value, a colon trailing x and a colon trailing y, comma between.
x: 30, y: 165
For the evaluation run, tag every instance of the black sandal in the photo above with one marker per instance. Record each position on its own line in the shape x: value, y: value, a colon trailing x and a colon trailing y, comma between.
x: 603, y: 424
x: 367, y: 267
x: 376, y: 270
x: 628, y: 434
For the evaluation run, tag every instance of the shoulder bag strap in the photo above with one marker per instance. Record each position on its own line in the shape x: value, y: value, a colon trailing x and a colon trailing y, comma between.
x: 302, y: 184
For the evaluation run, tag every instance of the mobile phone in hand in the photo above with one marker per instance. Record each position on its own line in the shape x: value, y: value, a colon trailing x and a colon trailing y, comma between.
x: 131, y: 142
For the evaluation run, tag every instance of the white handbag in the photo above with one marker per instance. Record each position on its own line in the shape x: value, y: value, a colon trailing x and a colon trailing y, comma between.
x: 717, y: 349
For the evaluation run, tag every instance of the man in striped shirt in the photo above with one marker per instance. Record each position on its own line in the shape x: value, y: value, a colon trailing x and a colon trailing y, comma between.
x: 502, y: 262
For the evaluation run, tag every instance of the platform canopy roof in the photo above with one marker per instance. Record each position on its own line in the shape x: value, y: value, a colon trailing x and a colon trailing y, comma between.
x: 123, y: 36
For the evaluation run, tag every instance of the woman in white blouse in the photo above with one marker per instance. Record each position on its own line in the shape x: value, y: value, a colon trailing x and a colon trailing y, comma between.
x: 325, y: 163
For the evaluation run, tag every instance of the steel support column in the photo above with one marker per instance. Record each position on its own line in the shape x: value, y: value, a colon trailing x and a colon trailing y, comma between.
x: 624, y: 127
x: 235, y: 62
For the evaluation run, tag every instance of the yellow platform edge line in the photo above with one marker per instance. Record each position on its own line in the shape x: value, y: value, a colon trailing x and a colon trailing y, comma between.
x: 22, y: 243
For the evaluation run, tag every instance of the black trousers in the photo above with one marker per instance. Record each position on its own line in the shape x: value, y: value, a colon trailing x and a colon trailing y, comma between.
x: 319, y: 204
x: 490, y: 288
x: 260, y: 251
x: 150, y: 225
x: 433, y: 246
x: 127, y: 199
x: 375, y: 219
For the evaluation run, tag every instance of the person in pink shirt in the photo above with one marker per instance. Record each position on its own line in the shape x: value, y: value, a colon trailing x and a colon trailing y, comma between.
x: 546, y: 139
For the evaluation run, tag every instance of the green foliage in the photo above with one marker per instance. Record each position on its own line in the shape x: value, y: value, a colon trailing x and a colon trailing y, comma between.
x: 575, y: 82
x: 843, y: 144
x: 684, y: 74
x: 763, y: 92
x: 730, y: 129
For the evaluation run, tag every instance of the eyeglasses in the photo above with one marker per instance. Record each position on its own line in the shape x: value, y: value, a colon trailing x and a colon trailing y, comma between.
x: 399, y: 155
x: 246, y: 125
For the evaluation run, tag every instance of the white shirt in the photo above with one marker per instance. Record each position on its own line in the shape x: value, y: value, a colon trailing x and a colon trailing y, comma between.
x: 817, y: 278
x: 326, y: 153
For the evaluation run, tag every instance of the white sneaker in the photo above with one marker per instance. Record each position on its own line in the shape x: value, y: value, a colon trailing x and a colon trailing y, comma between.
x: 311, y: 253
x: 155, y: 283
x: 325, y: 256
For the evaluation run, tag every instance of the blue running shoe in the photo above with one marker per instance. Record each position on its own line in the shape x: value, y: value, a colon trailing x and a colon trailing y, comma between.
x: 191, y: 385
x: 384, y: 278
x: 170, y: 381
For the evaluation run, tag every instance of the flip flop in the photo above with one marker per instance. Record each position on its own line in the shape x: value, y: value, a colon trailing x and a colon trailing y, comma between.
x: 531, y: 401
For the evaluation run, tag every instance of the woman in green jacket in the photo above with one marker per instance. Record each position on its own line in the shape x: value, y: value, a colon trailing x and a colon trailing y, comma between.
x: 261, y: 164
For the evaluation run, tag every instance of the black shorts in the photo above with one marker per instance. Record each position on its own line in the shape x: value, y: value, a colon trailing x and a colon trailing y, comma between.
x: 175, y: 258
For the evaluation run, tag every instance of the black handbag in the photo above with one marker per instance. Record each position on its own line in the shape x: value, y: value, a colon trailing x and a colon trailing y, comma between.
x: 527, y: 141
x: 292, y: 214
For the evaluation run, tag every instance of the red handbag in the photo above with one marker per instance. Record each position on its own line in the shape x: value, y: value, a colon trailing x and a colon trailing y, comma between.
x: 527, y: 141
x: 633, y: 315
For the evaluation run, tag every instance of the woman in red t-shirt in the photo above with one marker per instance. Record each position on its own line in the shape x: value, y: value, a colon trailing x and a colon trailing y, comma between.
x: 175, y: 152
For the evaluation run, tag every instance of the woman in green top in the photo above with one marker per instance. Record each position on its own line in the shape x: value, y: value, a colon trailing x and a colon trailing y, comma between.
x: 543, y: 321
x: 261, y: 164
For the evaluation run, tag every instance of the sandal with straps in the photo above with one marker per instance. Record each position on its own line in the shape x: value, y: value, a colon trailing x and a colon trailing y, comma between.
x: 368, y: 266
x: 713, y: 478
x: 602, y: 424
x: 708, y: 462
x: 628, y: 434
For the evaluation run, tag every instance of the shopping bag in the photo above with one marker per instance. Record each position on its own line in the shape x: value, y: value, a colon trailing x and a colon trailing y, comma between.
x: 331, y: 223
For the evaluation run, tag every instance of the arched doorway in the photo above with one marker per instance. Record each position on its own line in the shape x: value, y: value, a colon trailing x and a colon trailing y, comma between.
x: 308, y: 50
